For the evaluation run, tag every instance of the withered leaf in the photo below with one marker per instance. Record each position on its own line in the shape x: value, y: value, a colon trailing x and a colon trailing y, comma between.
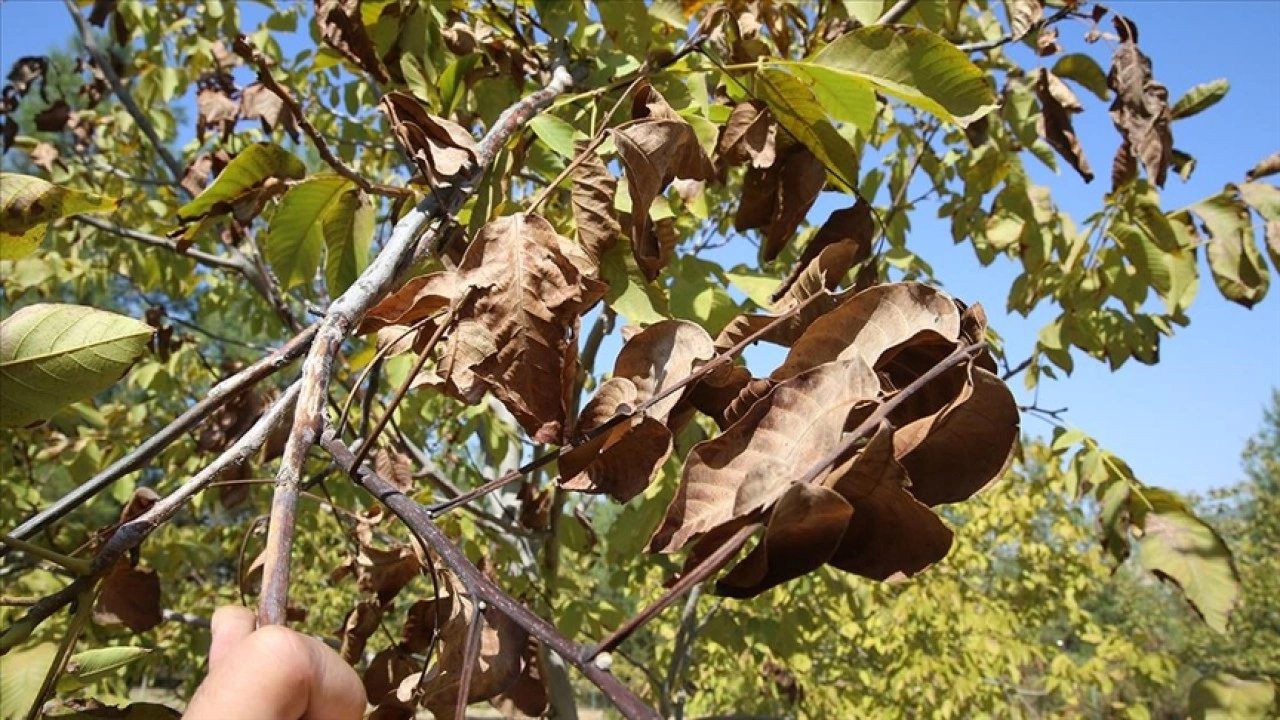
x: 361, y: 622
x: 441, y: 149
x: 716, y: 391
x: 1269, y: 165
x: 592, y: 198
x: 749, y: 135
x: 197, y: 174
x: 799, y: 183
x: 892, y: 534
x: 395, y: 467
x: 502, y: 645
x: 957, y: 451
x: 1054, y: 123
x: 870, y: 323
x: 1047, y: 42
x: 803, y: 533
x: 385, y: 572
x: 843, y: 241
x: 217, y: 111
x: 416, y: 300
x: 1140, y: 110
x: 53, y: 118
x: 622, y: 461
x: 1023, y: 16
x: 748, y: 396
x: 386, y: 671
x: 259, y: 103
x: 759, y: 197
x: 342, y: 28
x: 131, y: 597
x: 45, y: 156
x: 527, y: 697
x: 749, y: 466
x: 521, y: 297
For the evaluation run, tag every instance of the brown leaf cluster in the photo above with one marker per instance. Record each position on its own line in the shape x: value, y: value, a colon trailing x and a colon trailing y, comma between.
x: 342, y: 28
x: 512, y: 308
x: 1140, y: 111
x: 869, y: 514
x: 621, y: 460
x: 442, y: 150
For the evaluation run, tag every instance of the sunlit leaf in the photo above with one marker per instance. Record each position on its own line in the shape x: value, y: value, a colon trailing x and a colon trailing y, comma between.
x: 29, y: 204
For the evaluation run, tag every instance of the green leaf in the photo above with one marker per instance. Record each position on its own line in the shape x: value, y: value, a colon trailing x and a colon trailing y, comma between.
x: 86, y: 668
x: 914, y: 65
x: 697, y: 293
x: 1140, y: 249
x: 864, y: 11
x: 555, y: 133
x: 1263, y: 198
x: 1181, y: 548
x: 797, y: 110
x: 844, y: 98
x: 52, y: 355
x: 28, y: 204
x: 348, y: 235
x: 296, y: 233
x: 21, y: 675
x: 252, y: 167
x: 1223, y: 696
x: 1085, y: 71
x: 757, y: 286
x: 452, y: 87
x: 638, y: 301
x: 1064, y: 439
x: 1200, y: 98
x: 1234, y: 258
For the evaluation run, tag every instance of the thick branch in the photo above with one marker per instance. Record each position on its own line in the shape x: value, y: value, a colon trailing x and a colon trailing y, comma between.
x: 217, y: 397
x: 419, y: 522
x: 343, y: 316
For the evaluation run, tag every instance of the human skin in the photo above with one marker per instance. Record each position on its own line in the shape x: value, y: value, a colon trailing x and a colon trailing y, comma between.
x: 273, y: 673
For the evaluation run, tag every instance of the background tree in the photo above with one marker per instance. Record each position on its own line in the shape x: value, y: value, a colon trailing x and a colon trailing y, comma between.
x: 537, y: 297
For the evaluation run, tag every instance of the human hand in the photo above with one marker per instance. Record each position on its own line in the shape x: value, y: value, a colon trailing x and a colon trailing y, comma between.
x: 273, y: 674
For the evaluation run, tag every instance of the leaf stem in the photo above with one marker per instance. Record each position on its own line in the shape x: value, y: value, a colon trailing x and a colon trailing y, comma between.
x: 79, y: 566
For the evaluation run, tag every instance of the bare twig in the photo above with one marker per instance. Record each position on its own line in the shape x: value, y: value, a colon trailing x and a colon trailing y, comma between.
x: 1066, y: 10
x: 245, y: 48
x: 217, y: 396
x: 221, y: 262
x: 470, y: 658
x: 895, y: 13
x: 480, y: 587
x: 344, y: 315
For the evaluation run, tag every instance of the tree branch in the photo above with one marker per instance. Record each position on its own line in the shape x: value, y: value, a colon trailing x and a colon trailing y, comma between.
x: 895, y: 13
x: 220, y: 262
x: 1066, y: 10
x: 217, y: 396
x: 342, y: 317
x: 480, y: 587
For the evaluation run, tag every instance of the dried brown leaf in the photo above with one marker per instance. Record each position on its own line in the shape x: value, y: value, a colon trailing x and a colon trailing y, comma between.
x: 386, y: 671
x: 342, y: 28
x: 360, y: 623
x: 960, y: 449
x: 1023, y: 16
x: 747, y: 468
x: 217, y: 111
x: 197, y: 174
x: 131, y: 597
x: 522, y: 296
x: 759, y: 197
x: 843, y: 241
x: 1054, y: 124
x: 871, y: 322
x: 751, y: 393
x: 800, y: 182
x: 592, y: 198
x: 892, y: 534
x: 502, y: 645
x: 53, y: 118
x: 395, y: 467
x: 441, y: 149
x: 749, y: 135
x: 1269, y: 165
x: 386, y: 572
x: 1047, y: 43
x: 716, y: 391
x: 418, y: 299
x: 527, y: 697
x: 1140, y: 110
x: 803, y: 533
x: 259, y: 103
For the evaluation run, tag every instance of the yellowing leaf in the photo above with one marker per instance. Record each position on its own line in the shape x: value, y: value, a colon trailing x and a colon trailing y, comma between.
x: 1223, y: 696
x: 52, y: 355
x: 21, y: 674
x: 246, y: 172
x: 296, y: 233
x: 28, y: 204
x: 1234, y: 258
x: 797, y: 110
x: 1200, y: 98
x: 1084, y: 70
x: 348, y: 235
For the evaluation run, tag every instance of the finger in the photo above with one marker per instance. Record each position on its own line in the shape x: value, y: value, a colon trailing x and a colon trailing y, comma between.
x: 277, y: 673
x: 231, y: 625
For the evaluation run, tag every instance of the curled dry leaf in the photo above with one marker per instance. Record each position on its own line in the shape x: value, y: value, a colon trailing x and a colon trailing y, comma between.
x: 749, y: 135
x: 522, y: 288
x: 843, y: 241
x: 1054, y: 123
x: 527, y: 697
x: 1047, y: 43
x: 360, y: 623
x: 657, y: 147
x: 385, y: 572
x: 259, y: 103
x: 715, y: 392
x: 215, y: 110
x: 622, y: 461
x: 342, y: 28
x: 416, y: 300
x: 441, y: 149
x: 799, y: 183
x: 1269, y: 165
x: 592, y: 198
x: 130, y: 596
x: 1140, y: 110
x: 395, y: 467
x: 197, y: 174
x: 748, y: 467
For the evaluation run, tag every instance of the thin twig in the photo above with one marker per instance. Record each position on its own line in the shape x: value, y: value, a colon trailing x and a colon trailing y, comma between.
x: 1066, y: 10
x: 470, y: 658
x: 220, y: 262
x: 344, y: 315
x: 895, y: 13
x: 217, y: 396
x: 480, y: 587
x: 245, y: 48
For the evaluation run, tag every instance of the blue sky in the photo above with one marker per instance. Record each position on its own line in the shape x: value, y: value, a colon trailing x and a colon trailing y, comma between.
x: 1183, y: 422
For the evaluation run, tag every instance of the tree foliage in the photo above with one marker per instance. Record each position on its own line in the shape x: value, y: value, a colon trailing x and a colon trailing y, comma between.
x: 459, y: 216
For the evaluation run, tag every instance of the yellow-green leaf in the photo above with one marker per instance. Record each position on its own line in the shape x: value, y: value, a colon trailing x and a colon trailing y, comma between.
x: 52, y: 355
x: 1200, y: 98
x: 555, y: 133
x: 638, y: 301
x: 348, y: 234
x: 1237, y: 264
x: 1085, y: 71
x: 21, y: 674
x: 28, y: 204
x: 85, y: 668
x: 914, y: 65
x: 794, y: 106
x: 296, y: 233
x: 1223, y: 696
x: 246, y: 171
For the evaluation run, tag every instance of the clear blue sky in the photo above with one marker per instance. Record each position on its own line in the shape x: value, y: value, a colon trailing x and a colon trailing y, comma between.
x: 1182, y: 423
